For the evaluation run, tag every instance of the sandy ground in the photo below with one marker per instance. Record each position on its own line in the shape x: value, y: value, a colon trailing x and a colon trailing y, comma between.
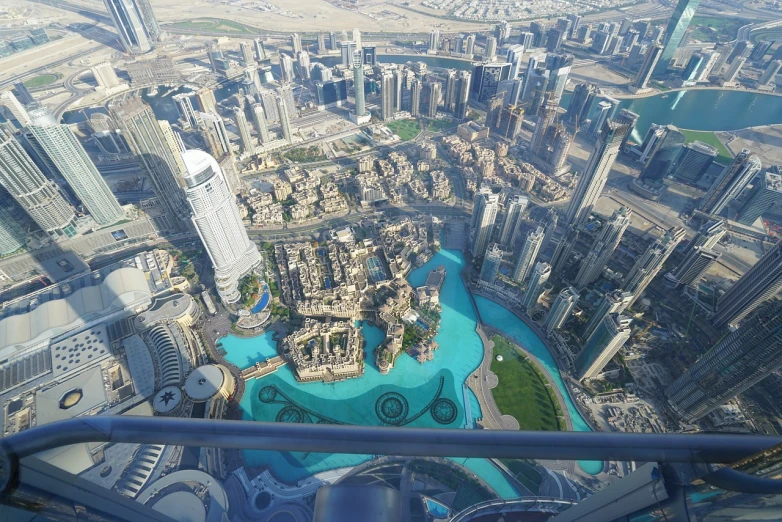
x: 764, y: 141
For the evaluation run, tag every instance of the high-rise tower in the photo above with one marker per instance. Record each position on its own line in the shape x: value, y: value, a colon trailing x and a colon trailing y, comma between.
x: 738, y: 361
x: 527, y: 255
x: 147, y: 141
x: 130, y: 22
x: 613, y: 303
x: 491, y: 263
x: 259, y: 120
x: 677, y: 26
x: 358, y: 82
x: 651, y: 58
x: 463, y: 81
x: 217, y: 220
x: 515, y: 208
x: 12, y: 235
x: 759, y: 284
x: 692, y: 267
x: 603, y: 247
x: 729, y: 184
x: 387, y: 96
x: 593, y: 179
x: 285, y: 122
x: 244, y: 130
x: 609, y: 336
x: 537, y: 280
x: 32, y: 190
x: 561, y: 308
x: 69, y: 157
x: 651, y: 262
x: 763, y: 197
x: 484, y: 213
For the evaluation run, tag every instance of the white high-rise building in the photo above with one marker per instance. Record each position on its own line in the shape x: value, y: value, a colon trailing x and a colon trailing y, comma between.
x: 32, y: 190
x: 357, y: 38
x: 609, y: 336
x: 187, y: 112
x: 259, y: 119
x: 537, y: 281
x: 513, y: 217
x: 217, y: 220
x: 561, y: 309
x: 248, y: 144
x: 484, y: 213
x: 527, y: 255
x: 130, y: 21
x: 12, y: 235
x: 69, y: 157
x: 651, y: 262
x: 603, y: 247
x: 285, y: 122
x: 434, y: 41
x: 12, y: 105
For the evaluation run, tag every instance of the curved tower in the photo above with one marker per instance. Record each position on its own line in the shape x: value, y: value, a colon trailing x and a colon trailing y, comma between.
x: 217, y: 220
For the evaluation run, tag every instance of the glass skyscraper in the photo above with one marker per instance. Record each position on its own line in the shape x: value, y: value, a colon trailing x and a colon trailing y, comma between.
x: 677, y: 26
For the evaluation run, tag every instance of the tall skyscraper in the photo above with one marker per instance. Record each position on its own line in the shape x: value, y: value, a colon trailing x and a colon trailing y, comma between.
x: 562, y: 252
x: 593, y: 179
x: 580, y: 104
x: 463, y: 82
x: 491, y: 48
x: 434, y: 41
x: 651, y: 58
x: 693, y: 161
x: 130, y: 24
x: 214, y: 134
x: 205, y: 98
x: 537, y: 280
x: 72, y: 161
x: 12, y: 235
x: 677, y: 26
x: 528, y: 254
x: 430, y: 98
x: 737, y: 362
x: 771, y: 72
x: 764, y: 196
x: 259, y: 120
x: 246, y: 50
x: 561, y: 309
x: 12, y: 105
x: 515, y: 208
x: 450, y: 90
x: 217, y: 220
x: 244, y: 130
x: 515, y: 54
x: 729, y: 184
x: 609, y: 336
x: 692, y: 268
x: 415, y: 97
x: 651, y: 262
x: 260, y: 50
x: 287, y: 74
x: 486, y: 78
x: 603, y: 247
x: 37, y: 195
x: 759, y: 284
x: 22, y: 93
x: 187, y: 114
x: 285, y: 122
x: 358, y: 82
x: 613, y: 302
x: 484, y: 213
x: 491, y: 263
x: 147, y: 142
x: 295, y: 42
x: 664, y: 153
x: 387, y: 96
x: 708, y: 235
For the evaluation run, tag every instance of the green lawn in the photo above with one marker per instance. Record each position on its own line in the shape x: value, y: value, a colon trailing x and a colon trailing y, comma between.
x: 766, y: 35
x: 41, y: 80
x: 216, y: 24
x: 440, y: 125
x: 724, y: 156
x: 405, y: 129
x: 522, y: 391
x: 716, y: 28
x: 525, y: 473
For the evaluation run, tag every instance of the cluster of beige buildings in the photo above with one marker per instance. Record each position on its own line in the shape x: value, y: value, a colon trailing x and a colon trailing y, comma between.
x: 396, y: 177
x: 329, y: 352
x: 310, y: 199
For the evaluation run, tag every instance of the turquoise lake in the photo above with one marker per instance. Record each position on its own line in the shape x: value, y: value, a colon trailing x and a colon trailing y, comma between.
x: 412, y: 394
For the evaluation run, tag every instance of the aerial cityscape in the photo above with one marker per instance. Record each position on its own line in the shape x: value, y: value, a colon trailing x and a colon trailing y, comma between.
x: 464, y: 215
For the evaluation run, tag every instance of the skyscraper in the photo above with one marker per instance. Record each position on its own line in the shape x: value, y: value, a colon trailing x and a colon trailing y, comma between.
x: 515, y: 208
x: 387, y: 96
x: 759, y: 284
x: 12, y: 235
x: 358, y: 82
x: 450, y: 90
x: 729, y: 184
x: 286, y: 69
x: 246, y: 50
x: 770, y: 73
x: 484, y: 213
x: 515, y: 54
x: 738, y: 361
x: 664, y: 153
x: 651, y: 58
x: 693, y: 161
x: 609, y: 336
x: 580, y: 104
x: 415, y: 97
x: 215, y: 135
x: 561, y: 309
x: 37, y: 195
x: 244, y: 130
x: 430, y: 98
x: 22, y: 93
x: 677, y: 26
x: 295, y: 42
x: 528, y: 254
x: 491, y: 48
x: 12, y: 105
x: 147, y: 142
x: 613, y: 302
x: 434, y: 41
x: 129, y: 22
x: 537, y: 280
x: 259, y: 120
x: 603, y: 247
x: 260, y: 50
x: 651, y: 262
x: 217, y: 220
x: 486, y: 78
x: 491, y: 263
x: 72, y: 161
x: 764, y: 196
x: 205, y: 98
x: 593, y: 179
x: 285, y: 122
x: 562, y: 252
x: 463, y: 82
x: 187, y: 113
x: 708, y: 235
x: 692, y: 267
x: 105, y: 76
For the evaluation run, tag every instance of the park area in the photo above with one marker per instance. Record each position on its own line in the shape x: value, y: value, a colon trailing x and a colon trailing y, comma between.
x: 724, y: 157
x: 522, y: 391
x: 716, y: 28
x: 215, y: 25
x: 41, y: 80
x: 405, y: 129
